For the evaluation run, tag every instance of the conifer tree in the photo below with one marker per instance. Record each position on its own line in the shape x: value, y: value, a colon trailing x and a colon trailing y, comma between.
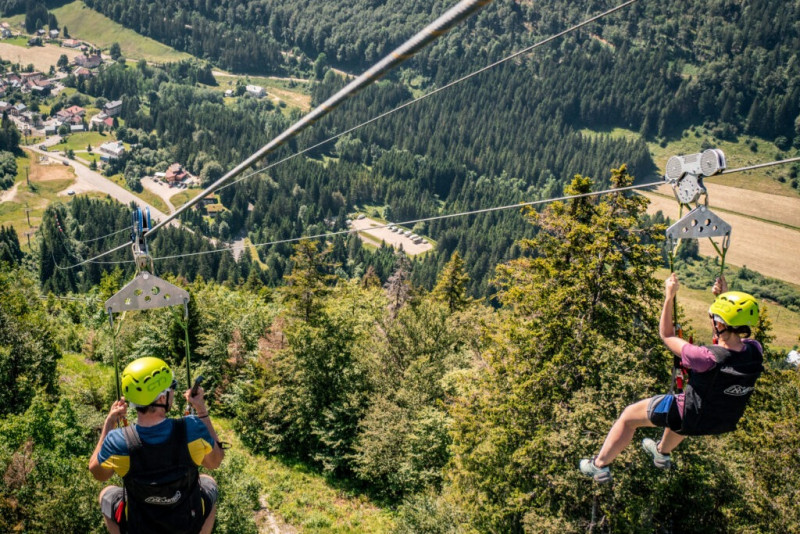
x: 452, y: 285
x: 578, y: 341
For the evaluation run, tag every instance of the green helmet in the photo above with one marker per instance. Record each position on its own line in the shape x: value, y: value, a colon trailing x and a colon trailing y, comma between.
x: 143, y: 380
x: 736, y: 309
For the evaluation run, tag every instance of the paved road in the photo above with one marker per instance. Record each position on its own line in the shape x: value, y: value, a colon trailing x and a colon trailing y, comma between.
x: 89, y: 180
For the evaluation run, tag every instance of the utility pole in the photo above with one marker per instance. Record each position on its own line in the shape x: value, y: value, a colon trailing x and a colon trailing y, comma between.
x: 27, y: 177
x: 28, y: 234
x: 28, y: 215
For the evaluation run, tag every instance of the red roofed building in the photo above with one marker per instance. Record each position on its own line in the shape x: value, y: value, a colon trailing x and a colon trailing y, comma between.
x: 76, y: 110
x: 175, y: 174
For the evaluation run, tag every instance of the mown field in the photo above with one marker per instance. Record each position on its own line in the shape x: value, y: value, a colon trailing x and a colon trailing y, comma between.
x: 41, y: 57
x: 294, y: 94
x: 89, y: 25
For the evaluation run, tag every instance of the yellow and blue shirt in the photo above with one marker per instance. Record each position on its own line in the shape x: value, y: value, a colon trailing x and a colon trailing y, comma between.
x: 114, y: 453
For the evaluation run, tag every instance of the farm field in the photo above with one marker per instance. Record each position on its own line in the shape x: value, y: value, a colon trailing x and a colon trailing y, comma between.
x: 79, y: 141
x: 766, y: 247
x: 738, y: 154
x: 183, y: 197
x: 42, y: 57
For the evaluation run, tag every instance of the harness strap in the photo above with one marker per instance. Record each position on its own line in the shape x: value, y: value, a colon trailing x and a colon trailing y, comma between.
x: 132, y: 438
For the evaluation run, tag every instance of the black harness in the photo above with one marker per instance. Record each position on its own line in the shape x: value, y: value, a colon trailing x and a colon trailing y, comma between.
x: 715, y: 400
x: 162, y: 490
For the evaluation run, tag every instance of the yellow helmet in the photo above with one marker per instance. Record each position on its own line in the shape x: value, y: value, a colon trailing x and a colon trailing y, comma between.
x: 144, y: 379
x: 736, y: 309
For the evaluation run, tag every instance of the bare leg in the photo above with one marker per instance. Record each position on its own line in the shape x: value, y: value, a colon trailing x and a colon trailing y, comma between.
x: 669, y: 441
x: 112, y: 527
x: 621, y: 433
x: 208, y: 524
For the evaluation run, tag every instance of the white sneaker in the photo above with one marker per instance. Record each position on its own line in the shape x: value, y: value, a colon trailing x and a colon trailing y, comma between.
x: 601, y: 475
x: 662, y: 461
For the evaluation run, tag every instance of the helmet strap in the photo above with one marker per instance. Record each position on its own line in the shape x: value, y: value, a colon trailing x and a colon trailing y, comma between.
x: 165, y: 405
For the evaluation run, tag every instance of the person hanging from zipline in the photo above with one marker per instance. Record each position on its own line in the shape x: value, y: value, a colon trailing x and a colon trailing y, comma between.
x: 721, y: 380
x: 157, y: 458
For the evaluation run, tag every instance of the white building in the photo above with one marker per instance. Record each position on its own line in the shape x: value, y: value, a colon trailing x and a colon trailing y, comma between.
x: 114, y: 149
x: 255, y: 90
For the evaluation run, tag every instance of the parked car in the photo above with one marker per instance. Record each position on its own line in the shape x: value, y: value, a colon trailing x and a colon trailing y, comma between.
x: 70, y: 192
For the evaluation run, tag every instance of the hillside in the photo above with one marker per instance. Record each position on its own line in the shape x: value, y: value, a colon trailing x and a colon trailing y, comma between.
x: 358, y: 408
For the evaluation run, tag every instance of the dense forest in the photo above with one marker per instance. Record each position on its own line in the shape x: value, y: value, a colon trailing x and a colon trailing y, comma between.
x: 462, y: 417
x: 743, y: 56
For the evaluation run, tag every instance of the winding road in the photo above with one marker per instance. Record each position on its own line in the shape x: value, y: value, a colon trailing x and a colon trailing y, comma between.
x: 89, y: 180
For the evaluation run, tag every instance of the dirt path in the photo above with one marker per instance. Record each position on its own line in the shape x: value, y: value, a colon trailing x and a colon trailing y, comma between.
x: 9, y: 194
x: 375, y: 232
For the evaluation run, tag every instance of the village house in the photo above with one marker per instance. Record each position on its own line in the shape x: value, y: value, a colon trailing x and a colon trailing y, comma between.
x: 113, y: 108
x: 71, y: 115
x: 53, y: 34
x: 70, y: 43
x: 76, y: 110
x: 13, y: 79
x: 18, y: 109
x: 39, y: 86
x: 101, y: 119
x: 77, y: 128
x: 175, y: 174
x: 31, y: 76
x: 31, y: 117
x: 5, y: 106
x: 82, y: 72
x: 90, y: 62
x: 5, y: 33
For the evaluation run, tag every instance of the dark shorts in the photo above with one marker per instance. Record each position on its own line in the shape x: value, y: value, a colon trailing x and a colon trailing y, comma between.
x: 663, y: 411
x: 113, y: 508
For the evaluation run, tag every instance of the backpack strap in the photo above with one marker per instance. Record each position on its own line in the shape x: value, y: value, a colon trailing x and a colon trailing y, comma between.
x: 132, y: 438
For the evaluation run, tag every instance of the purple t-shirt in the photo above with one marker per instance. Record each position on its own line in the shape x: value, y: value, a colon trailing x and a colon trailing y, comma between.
x: 700, y: 359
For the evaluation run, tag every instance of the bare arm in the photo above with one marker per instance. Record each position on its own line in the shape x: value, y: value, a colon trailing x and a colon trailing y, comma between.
x: 117, y: 411
x: 666, y: 328
x: 213, y: 459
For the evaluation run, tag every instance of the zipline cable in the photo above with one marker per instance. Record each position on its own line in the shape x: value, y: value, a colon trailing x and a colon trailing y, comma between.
x: 439, y: 27
x: 465, y: 213
x: 433, y: 218
x: 426, y: 219
x: 437, y: 90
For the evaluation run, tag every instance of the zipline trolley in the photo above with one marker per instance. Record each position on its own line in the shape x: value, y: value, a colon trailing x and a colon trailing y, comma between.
x: 146, y: 291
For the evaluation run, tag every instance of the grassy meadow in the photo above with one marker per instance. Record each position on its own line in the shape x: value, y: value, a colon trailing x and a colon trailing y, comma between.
x: 47, y: 181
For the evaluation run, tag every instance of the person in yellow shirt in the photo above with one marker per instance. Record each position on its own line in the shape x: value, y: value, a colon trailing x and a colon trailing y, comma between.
x: 157, y: 458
